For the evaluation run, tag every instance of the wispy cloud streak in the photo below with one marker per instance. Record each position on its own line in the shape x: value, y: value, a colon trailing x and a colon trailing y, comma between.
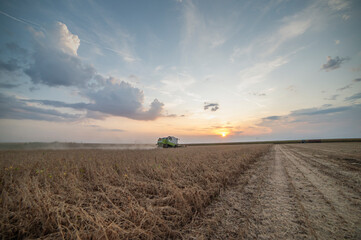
x: 22, y: 20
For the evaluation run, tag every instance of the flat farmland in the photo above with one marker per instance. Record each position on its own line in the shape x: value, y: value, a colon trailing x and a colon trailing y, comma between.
x: 114, y: 194
x: 281, y: 191
x: 296, y: 191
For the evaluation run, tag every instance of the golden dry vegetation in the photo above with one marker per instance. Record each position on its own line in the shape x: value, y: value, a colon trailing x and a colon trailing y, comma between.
x: 296, y: 191
x: 112, y: 194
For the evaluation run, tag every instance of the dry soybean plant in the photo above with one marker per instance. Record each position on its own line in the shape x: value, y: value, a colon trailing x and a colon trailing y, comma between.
x: 112, y: 194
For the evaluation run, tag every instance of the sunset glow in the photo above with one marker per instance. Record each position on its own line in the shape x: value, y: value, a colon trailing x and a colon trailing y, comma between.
x: 134, y: 71
x: 223, y: 132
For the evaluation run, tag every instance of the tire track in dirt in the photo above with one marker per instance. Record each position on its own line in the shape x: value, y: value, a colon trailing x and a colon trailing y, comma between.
x: 338, y: 153
x: 346, y: 185
x: 338, y: 187
x: 281, y: 213
x: 287, y: 194
x: 337, y: 170
x: 324, y: 199
x: 325, y: 184
x: 263, y: 205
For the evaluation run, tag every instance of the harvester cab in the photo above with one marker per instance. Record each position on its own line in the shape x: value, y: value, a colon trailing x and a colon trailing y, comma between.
x: 166, y: 142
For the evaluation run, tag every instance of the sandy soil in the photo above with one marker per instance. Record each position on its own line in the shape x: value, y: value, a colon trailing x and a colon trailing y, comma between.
x: 297, y: 191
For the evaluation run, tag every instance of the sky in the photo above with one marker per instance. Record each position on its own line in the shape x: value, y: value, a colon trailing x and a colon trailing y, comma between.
x: 203, y: 71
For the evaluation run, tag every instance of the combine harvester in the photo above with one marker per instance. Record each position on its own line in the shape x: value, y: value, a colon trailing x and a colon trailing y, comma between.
x: 169, y: 141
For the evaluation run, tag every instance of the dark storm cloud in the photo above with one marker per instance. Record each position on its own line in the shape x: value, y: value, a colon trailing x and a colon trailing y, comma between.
x: 354, y: 97
x: 213, y: 106
x: 13, y: 108
x: 333, y: 64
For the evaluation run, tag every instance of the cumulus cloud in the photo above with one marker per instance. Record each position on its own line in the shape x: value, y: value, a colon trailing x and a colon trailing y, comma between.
x: 54, y: 68
x: 10, y: 65
x: 116, y: 99
x: 212, y: 106
x: 14, y: 108
x: 15, y: 62
x: 15, y: 48
x: 7, y: 69
x: 333, y: 63
x: 122, y: 99
x: 64, y: 39
x: 56, y: 63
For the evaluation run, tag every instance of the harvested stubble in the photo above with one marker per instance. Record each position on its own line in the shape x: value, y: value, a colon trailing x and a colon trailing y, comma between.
x: 111, y: 194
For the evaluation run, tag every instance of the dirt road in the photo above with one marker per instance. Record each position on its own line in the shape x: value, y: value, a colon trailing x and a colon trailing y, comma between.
x: 294, y: 192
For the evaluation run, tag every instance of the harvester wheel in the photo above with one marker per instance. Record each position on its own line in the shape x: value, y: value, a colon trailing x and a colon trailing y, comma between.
x: 165, y: 146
